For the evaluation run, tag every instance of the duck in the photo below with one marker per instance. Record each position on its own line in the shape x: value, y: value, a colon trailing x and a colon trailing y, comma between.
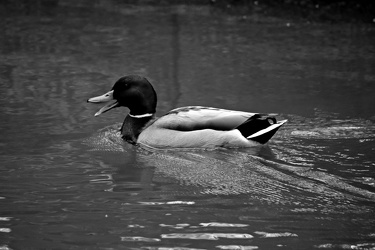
x: 184, y: 127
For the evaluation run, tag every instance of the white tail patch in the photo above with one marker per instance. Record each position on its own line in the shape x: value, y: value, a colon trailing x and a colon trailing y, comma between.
x: 268, y: 129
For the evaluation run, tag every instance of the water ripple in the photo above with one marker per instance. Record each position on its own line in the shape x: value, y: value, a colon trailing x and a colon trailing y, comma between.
x: 220, y: 224
x: 139, y: 238
x: 359, y: 246
x: 206, y: 236
x: 236, y: 247
x: 275, y: 235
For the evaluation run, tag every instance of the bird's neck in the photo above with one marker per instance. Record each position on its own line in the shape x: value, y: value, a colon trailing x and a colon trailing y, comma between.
x: 133, y: 125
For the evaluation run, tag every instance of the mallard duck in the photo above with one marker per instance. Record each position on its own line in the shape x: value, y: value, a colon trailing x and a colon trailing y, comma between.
x: 186, y: 127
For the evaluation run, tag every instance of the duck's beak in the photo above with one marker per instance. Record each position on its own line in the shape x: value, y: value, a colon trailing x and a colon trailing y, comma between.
x: 104, y: 98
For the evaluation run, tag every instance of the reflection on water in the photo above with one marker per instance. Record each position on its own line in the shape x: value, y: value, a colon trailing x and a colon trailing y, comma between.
x: 68, y: 181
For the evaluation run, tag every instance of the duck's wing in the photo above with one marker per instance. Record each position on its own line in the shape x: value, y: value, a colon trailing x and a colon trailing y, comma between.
x: 196, y: 118
x: 197, y: 127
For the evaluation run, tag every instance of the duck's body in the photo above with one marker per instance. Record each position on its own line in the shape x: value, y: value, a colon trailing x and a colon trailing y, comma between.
x: 186, y: 127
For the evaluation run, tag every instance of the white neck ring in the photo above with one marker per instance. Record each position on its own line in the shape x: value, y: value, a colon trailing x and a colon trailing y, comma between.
x: 141, y: 116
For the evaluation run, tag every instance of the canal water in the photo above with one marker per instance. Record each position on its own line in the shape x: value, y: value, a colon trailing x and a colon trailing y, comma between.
x: 67, y: 180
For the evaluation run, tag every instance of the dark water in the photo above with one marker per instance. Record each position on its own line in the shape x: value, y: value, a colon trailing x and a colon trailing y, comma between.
x: 68, y: 182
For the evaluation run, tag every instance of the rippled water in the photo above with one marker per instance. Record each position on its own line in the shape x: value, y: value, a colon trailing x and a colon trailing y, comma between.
x: 69, y: 182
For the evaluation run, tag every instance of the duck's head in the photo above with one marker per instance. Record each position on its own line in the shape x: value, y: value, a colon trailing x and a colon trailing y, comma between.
x: 132, y: 91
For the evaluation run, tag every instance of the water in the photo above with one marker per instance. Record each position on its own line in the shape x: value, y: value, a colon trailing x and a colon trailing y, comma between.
x: 68, y: 181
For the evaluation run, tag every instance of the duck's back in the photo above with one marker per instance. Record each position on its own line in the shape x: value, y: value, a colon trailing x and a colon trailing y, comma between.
x: 196, y: 118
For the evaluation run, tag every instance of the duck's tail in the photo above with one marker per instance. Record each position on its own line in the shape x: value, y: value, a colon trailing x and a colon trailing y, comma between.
x: 260, y: 129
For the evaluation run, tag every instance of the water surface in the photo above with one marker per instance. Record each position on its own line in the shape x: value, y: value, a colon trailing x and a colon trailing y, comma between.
x: 69, y: 182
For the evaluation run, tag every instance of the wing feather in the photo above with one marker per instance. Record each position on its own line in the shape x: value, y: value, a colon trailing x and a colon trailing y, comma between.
x: 197, y: 118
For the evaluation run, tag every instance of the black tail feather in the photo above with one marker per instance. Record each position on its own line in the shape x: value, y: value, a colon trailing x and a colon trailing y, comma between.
x: 264, y: 138
x: 255, y: 124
